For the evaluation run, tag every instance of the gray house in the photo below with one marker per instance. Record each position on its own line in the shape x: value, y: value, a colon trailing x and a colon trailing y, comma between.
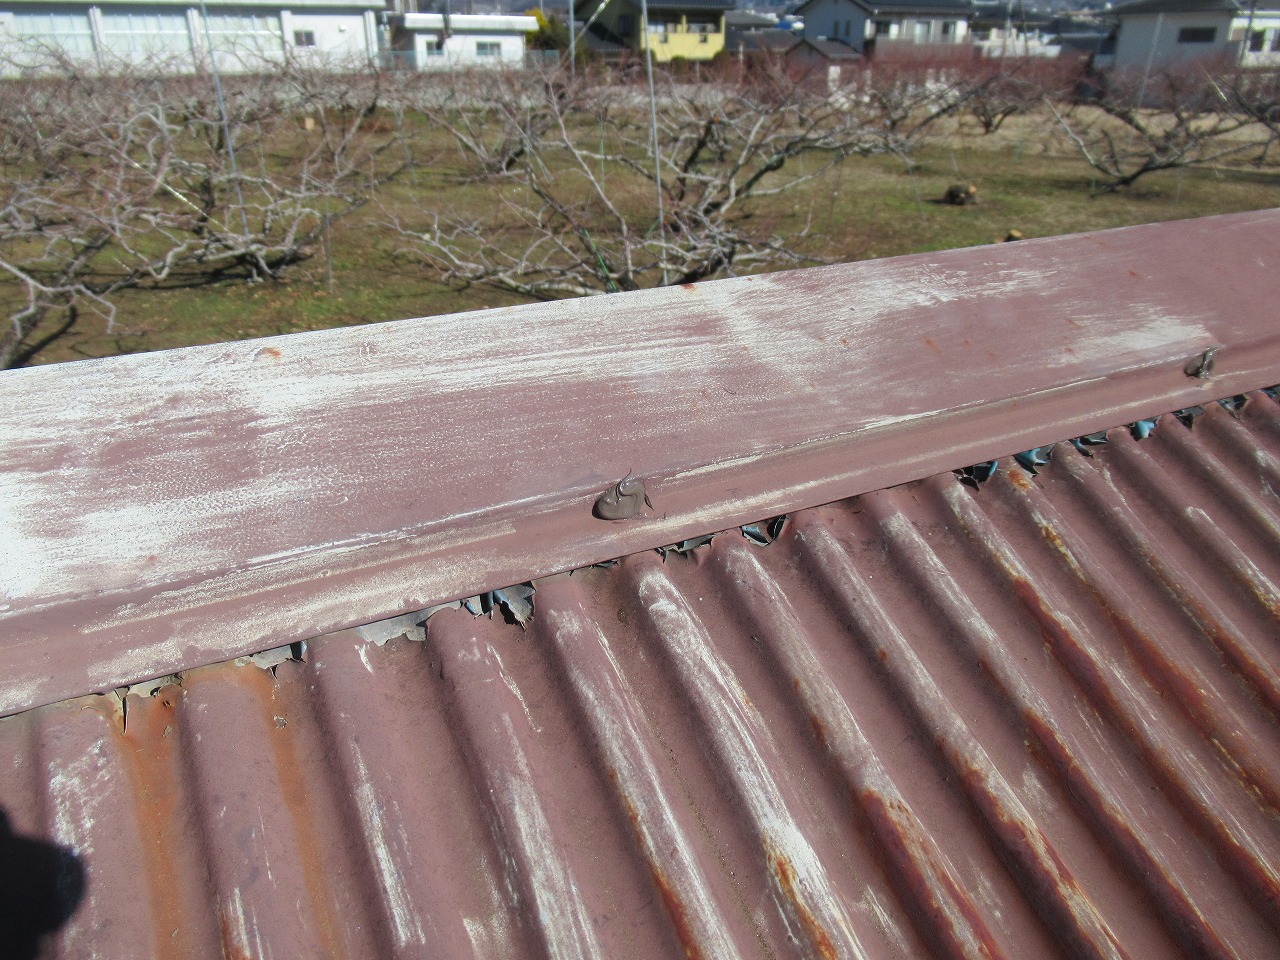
x: 859, y: 23
x: 1164, y: 33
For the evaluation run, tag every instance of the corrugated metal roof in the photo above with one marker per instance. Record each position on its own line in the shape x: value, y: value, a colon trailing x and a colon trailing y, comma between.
x: 1035, y: 717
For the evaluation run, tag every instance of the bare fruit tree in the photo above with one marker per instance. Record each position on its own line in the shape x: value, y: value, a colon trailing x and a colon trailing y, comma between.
x: 1132, y: 126
x: 905, y: 98
x: 128, y: 181
x: 568, y: 186
x: 1255, y: 96
x: 998, y: 89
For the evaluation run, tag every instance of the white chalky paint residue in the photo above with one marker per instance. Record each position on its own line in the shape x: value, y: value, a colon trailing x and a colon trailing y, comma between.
x: 562, y: 916
x: 739, y: 727
x: 315, y: 374
x: 666, y: 845
x: 890, y: 926
x: 770, y: 605
x: 263, y: 846
x: 896, y: 290
x: 376, y: 821
x: 242, y: 924
x: 510, y: 684
x: 280, y: 390
x: 78, y: 791
x: 132, y: 665
x: 490, y: 937
x: 363, y: 650
x: 25, y: 552
x: 16, y: 695
x: 235, y: 922
x: 1146, y: 332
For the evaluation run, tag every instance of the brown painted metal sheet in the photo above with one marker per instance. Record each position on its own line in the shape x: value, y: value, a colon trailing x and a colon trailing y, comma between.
x: 1035, y: 718
x: 174, y: 509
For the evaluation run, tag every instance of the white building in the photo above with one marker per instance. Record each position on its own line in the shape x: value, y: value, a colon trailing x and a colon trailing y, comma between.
x: 172, y: 34
x: 1164, y: 33
x: 435, y: 41
x: 863, y: 23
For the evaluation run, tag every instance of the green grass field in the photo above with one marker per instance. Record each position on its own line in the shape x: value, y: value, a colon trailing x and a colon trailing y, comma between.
x: 868, y: 208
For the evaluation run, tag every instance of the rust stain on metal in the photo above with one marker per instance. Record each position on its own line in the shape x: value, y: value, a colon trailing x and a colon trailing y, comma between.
x: 1191, y: 700
x: 1152, y: 660
x: 293, y: 788
x: 151, y: 768
x: 230, y: 949
x: 1170, y: 897
x: 677, y: 913
x: 1051, y: 882
x: 1187, y: 696
x: 785, y: 875
x: 925, y: 882
x: 1020, y: 479
x: 816, y: 725
x: 1260, y: 676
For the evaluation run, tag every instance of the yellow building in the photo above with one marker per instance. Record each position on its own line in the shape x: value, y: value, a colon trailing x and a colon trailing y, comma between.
x: 677, y: 29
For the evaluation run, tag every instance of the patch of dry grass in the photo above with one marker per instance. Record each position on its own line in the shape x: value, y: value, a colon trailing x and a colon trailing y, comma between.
x: 1027, y: 177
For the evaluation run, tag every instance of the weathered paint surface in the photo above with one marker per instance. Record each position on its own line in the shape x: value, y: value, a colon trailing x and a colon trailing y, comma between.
x: 1031, y: 719
x: 174, y: 509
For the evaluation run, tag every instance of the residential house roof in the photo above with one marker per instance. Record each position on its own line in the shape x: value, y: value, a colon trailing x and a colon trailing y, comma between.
x: 1185, y: 6
x: 952, y: 8
x: 773, y: 40
x: 748, y: 19
x: 955, y: 7
x: 599, y: 44
x: 467, y: 22
x: 1018, y: 710
x: 1083, y: 42
x: 828, y: 49
x: 136, y: 6
x: 692, y: 5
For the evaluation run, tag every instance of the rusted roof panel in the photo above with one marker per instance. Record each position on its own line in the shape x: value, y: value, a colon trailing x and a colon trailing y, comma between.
x: 1037, y: 717
x: 167, y: 510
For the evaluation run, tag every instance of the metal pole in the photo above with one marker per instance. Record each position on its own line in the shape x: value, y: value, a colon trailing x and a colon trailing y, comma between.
x: 573, y: 44
x: 1146, y: 73
x: 590, y: 20
x: 226, y: 123
x: 653, y: 136
x: 1248, y: 33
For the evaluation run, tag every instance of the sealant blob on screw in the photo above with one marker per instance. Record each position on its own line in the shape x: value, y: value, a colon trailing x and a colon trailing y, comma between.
x: 624, y: 500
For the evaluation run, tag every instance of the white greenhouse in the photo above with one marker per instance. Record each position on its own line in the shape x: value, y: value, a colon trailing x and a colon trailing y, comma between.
x: 181, y: 37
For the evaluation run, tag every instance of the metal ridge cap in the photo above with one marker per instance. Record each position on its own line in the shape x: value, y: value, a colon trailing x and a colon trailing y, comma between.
x: 168, y: 510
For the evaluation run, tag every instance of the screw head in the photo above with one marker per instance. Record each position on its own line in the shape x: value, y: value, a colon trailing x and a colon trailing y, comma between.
x: 1201, y: 366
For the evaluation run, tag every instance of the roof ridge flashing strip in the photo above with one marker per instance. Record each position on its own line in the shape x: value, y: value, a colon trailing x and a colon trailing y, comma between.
x: 159, y: 511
